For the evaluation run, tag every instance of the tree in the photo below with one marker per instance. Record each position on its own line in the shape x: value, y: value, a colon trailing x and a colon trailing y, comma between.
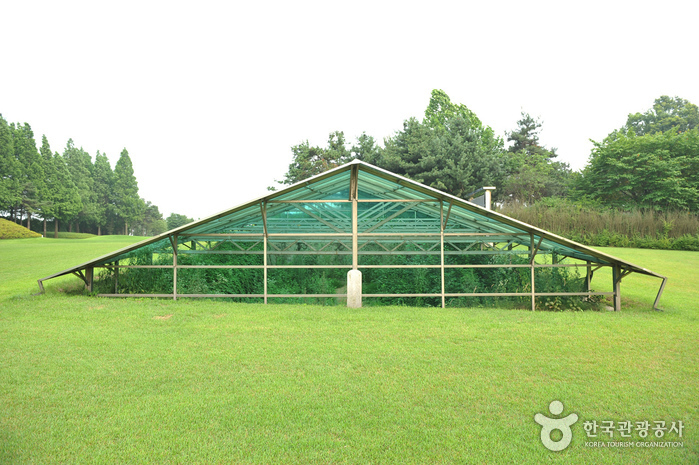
x: 449, y: 150
x: 50, y: 194
x: 534, y: 173
x: 66, y: 196
x: 365, y: 149
x: 175, y: 220
x: 10, y: 191
x: 79, y: 164
x: 667, y: 113
x: 152, y: 222
x: 31, y: 176
x: 309, y: 161
x: 126, y: 200
x: 658, y: 171
x: 103, y: 182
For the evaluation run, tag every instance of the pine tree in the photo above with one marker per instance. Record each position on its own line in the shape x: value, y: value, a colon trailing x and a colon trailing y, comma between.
x: 534, y: 173
x: 103, y: 184
x: 31, y: 174
x: 126, y: 199
x: 50, y: 192
x: 10, y: 192
x: 79, y: 164
x: 68, y: 203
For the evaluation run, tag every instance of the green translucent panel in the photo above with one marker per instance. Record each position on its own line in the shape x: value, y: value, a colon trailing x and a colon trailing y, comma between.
x: 463, y: 220
x: 551, y: 246
x: 375, y: 187
x: 309, y: 218
x: 150, y: 254
x: 406, y: 217
x: 335, y: 187
x: 245, y: 221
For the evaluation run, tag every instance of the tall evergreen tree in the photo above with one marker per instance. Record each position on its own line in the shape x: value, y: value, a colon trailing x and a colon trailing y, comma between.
x: 450, y: 149
x: 50, y: 194
x: 309, y: 161
x: 152, y: 222
x: 126, y: 200
x: 10, y: 192
x: 534, y: 173
x: 79, y: 164
x: 32, y: 174
x: 68, y: 203
x: 103, y: 178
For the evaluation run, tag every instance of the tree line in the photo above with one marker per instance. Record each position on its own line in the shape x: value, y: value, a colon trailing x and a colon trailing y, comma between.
x: 71, y: 190
x: 651, y: 163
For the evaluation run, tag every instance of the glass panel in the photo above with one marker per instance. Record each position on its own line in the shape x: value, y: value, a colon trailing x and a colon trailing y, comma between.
x: 335, y: 187
x: 374, y: 187
x: 406, y: 217
x: 312, y: 217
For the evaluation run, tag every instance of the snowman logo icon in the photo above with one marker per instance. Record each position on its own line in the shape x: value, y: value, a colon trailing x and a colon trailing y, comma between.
x: 548, y: 425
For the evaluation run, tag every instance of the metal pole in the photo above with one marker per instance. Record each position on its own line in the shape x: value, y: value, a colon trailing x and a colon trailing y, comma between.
x: 660, y: 293
x: 588, y: 276
x: 263, y: 207
x: 90, y: 278
x: 174, y: 267
x: 441, y: 248
x: 355, y: 215
x: 531, y: 263
x: 616, y: 279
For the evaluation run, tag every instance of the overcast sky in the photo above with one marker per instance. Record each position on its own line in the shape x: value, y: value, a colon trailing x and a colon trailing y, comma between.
x: 208, y: 97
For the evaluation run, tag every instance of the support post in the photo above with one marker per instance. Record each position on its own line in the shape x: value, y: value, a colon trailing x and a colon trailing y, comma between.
x: 354, y: 276
x: 89, y: 278
x: 263, y: 208
x: 660, y: 293
x: 532, y: 253
x: 588, y: 276
x: 616, y: 280
x: 354, y: 175
x: 174, y: 267
x: 116, y: 277
x: 441, y: 248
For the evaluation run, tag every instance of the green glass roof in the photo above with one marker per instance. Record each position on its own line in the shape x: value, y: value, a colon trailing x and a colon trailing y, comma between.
x: 387, y: 204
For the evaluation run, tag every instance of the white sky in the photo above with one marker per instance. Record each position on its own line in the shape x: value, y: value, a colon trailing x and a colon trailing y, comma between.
x: 208, y: 97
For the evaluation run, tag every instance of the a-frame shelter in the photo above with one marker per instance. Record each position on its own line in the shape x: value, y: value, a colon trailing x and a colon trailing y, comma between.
x: 354, y: 212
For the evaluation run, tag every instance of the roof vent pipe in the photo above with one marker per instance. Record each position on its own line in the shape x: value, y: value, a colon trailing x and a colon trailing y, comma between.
x: 484, y: 200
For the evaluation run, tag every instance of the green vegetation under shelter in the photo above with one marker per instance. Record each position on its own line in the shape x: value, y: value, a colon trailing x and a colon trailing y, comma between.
x: 413, y: 245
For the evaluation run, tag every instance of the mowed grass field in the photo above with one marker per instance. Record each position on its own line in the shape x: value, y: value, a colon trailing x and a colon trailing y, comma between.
x: 90, y: 380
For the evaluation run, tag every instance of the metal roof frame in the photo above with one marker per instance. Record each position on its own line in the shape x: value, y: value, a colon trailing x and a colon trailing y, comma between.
x: 409, y: 190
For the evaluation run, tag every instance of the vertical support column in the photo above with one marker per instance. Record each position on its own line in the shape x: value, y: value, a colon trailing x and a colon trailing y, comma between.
x: 173, y: 240
x: 354, y: 276
x: 588, y: 276
x: 616, y: 280
x: 532, y: 254
x: 441, y: 247
x: 90, y: 278
x: 116, y: 277
x: 263, y: 207
x: 355, y: 216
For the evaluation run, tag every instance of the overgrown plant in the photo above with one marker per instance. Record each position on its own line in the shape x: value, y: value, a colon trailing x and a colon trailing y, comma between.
x: 305, y: 279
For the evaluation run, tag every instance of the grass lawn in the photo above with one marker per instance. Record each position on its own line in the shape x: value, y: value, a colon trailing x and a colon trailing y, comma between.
x: 89, y: 380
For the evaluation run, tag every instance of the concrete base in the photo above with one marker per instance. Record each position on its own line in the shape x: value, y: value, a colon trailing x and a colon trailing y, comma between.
x: 354, y: 289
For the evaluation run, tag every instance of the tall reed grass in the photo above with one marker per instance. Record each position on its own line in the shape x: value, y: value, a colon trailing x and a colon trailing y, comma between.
x: 594, y: 225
